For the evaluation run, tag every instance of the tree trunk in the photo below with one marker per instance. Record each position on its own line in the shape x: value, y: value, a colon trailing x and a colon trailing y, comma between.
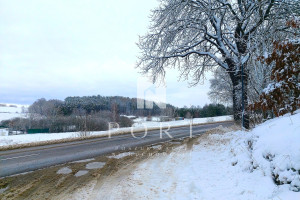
x: 239, y: 78
x: 246, y: 123
x: 237, y: 96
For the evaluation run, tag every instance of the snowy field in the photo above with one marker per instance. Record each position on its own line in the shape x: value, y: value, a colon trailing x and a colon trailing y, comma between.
x: 233, y: 165
x: 140, y: 125
x: 8, y: 112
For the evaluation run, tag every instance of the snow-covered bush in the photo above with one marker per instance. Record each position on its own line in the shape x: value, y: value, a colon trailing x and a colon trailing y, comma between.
x: 281, y: 96
x: 274, y: 148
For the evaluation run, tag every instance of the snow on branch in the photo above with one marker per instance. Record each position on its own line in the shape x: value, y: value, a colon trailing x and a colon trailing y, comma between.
x: 221, y: 32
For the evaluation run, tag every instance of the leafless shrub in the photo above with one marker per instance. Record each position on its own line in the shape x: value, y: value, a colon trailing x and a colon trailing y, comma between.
x: 125, y: 122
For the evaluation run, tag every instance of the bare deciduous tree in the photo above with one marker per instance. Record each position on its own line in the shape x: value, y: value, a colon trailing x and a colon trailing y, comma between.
x: 195, y: 35
x: 220, y: 87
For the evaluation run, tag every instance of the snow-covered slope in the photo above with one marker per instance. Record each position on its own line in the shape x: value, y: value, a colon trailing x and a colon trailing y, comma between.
x: 234, y: 165
x: 276, y: 149
x: 9, y: 111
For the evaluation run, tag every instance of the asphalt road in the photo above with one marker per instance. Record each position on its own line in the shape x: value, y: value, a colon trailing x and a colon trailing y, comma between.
x: 33, y: 158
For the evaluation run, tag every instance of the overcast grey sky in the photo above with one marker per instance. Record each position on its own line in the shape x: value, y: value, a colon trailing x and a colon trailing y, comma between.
x: 60, y: 48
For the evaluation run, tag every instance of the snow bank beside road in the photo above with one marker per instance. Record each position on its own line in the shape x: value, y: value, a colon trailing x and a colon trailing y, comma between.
x: 141, y: 122
x: 276, y: 149
x: 234, y: 165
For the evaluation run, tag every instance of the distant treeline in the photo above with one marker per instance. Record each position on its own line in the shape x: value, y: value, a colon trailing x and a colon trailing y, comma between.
x: 210, y: 110
x: 120, y: 105
x: 94, y: 104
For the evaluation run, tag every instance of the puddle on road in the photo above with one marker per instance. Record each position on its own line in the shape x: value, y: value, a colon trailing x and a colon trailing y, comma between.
x: 121, y: 155
x: 81, y: 173
x: 83, y: 161
x: 174, y: 142
x: 64, y: 170
x: 3, y: 189
x: 157, y: 147
x: 95, y: 165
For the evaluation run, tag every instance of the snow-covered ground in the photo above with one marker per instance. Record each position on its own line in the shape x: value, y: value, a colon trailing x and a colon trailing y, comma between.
x: 8, y: 112
x: 140, y: 122
x: 140, y: 125
x: 234, y: 165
